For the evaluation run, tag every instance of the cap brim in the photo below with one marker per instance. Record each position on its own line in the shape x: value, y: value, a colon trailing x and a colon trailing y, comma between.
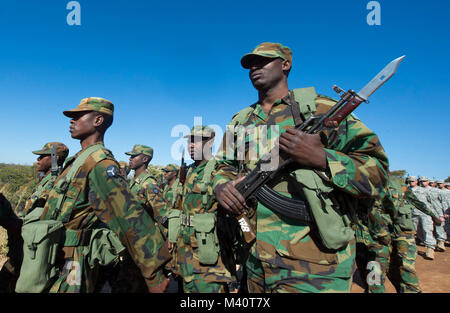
x: 131, y: 153
x: 40, y: 152
x: 247, y: 59
x: 74, y: 112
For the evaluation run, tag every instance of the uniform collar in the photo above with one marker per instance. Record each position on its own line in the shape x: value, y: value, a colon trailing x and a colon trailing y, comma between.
x: 258, y: 111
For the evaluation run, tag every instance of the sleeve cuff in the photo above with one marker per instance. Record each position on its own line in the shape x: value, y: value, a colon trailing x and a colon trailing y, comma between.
x: 155, y: 279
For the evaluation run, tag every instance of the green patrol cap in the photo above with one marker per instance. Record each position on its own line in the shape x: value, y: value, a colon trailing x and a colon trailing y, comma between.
x: 201, y: 131
x: 268, y: 50
x: 92, y: 104
x: 61, y: 149
x: 411, y: 178
x: 423, y: 178
x: 124, y: 165
x: 138, y: 149
x: 171, y: 168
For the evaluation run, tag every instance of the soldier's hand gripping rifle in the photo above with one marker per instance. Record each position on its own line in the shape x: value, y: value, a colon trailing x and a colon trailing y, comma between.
x: 254, y: 185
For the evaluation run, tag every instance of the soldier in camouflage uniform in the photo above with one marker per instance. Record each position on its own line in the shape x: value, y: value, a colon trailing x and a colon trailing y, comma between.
x: 425, y: 232
x: 38, y: 198
x: 124, y: 169
x: 399, y: 203
x: 432, y: 202
x: 171, y: 188
x: 445, y: 194
x: 439, y: 203
x: 44, y: 164
x: 11, y: 268
x: 291, y: 256
x: 100, y: 217
x: 197, y: 252
x: 373, y: 244
x: 143, y: 185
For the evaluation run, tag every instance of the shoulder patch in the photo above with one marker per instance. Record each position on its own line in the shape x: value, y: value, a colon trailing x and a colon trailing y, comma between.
x: 112, y: 171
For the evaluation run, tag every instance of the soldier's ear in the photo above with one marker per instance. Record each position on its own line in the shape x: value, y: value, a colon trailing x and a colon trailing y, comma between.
x: 286, y: 66
x: 99, y: 119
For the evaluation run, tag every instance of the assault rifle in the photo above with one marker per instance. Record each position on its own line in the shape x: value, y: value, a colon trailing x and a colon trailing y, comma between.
x: 254, y: 186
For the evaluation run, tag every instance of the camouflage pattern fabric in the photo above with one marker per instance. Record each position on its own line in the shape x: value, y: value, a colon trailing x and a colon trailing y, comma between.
x: 423, y: 224
x: 439, y: 203
x: 11, y: 268
x: 263, y: 277
x: 399, y: 202
x: 198, y: 277
x: 98, y: 197
x: 141, y: 149
x: 145, y: 189
x: 373, y: 237
x: 96, y: 104
x: 40, y: 194
x: 61, y: 149
x: 201, y: 131
x: 170, y: 198
x: 357, y: 168
x: 402, y: 271
x: 446, y: 192
x: 268, y: 50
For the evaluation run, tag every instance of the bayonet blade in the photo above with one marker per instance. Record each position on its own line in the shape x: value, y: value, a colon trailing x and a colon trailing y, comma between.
x: 382, y: 77
x: 54, y: 169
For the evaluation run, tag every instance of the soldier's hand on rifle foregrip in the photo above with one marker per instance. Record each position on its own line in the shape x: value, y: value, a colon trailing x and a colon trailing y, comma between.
x: 229, y: 197
x: 304, y: 149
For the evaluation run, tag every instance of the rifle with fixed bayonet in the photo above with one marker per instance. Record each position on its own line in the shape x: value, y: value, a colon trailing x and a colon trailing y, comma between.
x: 254, y: 186
x: 55, y: 167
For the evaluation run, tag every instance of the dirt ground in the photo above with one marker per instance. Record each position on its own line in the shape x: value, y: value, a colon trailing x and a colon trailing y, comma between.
x: 434, y: 275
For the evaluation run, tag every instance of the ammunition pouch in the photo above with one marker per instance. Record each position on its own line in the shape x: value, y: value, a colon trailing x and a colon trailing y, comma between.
x: 46, y: 242
x: 41, y: 242
x: 205, y: 232
x: 174, y: 222
x: 405, y: 218
x: 333, y: 226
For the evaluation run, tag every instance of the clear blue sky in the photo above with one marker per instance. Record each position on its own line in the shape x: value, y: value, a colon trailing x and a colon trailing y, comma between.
x: 163, y: 63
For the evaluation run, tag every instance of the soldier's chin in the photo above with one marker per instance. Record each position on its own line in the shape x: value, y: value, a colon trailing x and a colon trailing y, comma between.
x: 77, y: 136
x: 258, y: 84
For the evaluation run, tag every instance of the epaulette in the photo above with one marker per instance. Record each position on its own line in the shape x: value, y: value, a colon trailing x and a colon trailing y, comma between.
x: 102, y: 154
